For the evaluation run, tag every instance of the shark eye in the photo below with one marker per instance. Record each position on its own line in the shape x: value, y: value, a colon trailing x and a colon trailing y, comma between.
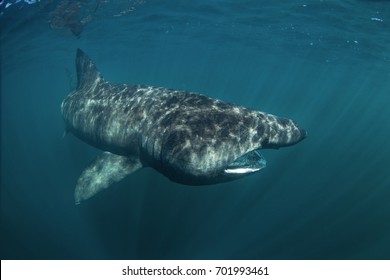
x: 247, y: 163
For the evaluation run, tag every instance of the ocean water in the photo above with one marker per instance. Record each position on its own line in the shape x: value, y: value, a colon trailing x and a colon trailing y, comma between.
x: 324, y: 64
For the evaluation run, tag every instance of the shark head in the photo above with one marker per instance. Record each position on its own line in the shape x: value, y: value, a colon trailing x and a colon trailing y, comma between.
x: 278, y: 132
x: 221, y: 142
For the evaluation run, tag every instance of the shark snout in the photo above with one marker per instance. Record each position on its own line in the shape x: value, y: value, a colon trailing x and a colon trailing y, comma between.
x: 283, y: 132
x: 302, y: 132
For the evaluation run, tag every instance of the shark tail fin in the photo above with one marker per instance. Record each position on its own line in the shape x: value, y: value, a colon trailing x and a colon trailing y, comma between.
x: 88, y: 75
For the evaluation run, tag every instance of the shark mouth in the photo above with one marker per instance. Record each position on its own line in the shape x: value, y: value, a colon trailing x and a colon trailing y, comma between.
x: 248, y: 163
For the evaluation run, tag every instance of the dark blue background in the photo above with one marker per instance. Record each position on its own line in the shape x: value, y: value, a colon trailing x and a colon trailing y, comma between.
x: 325, y: 64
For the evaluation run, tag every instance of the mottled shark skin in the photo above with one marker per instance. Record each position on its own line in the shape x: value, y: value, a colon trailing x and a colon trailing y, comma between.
x: 189, y: 137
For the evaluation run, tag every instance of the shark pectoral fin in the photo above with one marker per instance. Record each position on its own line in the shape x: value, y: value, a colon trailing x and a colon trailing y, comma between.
x: 102, y: 172
x: 246, y: 164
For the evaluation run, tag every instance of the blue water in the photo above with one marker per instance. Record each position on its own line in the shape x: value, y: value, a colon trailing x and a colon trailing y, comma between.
x: 325, y: 64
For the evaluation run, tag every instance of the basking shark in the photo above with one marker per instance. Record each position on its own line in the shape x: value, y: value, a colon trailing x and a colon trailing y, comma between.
x: 188, y: 137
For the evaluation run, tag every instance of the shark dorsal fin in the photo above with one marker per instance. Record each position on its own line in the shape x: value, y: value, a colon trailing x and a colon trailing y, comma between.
x: 88, y: 75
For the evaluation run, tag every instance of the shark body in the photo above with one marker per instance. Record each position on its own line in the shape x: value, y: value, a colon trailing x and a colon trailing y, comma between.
x: 189, y: 137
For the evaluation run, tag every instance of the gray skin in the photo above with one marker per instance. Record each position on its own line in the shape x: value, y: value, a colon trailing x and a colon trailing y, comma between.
x: 189, y: 137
